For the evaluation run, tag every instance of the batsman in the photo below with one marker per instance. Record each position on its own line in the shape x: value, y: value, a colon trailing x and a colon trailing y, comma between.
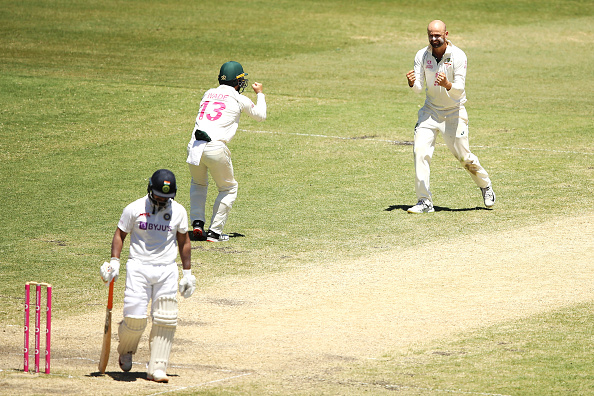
x: 158, y: 228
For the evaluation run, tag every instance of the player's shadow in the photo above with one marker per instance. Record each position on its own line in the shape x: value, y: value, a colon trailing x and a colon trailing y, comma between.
x: 193, y: 238
x: 130, y: 376
x: 121, y: 376
x: 437, y: 208
x: 203, y: 238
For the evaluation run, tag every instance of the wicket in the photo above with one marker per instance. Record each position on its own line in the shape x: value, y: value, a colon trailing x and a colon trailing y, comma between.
x: 48, y: 325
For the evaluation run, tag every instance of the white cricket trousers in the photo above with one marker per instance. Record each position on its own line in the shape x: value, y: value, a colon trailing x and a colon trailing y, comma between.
x: 453, y: 125
x: 215, y: 159
x: 147, y: 282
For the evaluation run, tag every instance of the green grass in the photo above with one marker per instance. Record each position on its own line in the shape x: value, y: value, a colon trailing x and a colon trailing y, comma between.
x: 96, y: 95
x: 544, y: 355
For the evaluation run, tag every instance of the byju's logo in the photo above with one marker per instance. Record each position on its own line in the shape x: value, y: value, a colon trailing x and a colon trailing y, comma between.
x: 143, y: 225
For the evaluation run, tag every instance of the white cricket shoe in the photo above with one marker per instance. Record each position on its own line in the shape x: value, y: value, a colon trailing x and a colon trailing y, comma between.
x: 423, y: 206
x: 214, y: 237
x: 488, y: 196
x: 125, y: 362
x: 158, y: 376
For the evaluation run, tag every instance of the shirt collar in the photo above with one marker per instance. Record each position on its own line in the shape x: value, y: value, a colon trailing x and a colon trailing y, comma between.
x: 448, y: 50
x: 223, y: 86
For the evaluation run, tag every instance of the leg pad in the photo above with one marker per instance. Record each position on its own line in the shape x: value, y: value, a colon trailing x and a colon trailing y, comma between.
x: 129, y: 332
x: 162, y: 332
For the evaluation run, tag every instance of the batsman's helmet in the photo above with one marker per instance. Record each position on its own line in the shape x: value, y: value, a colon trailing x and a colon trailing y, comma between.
x: 162, y: 184
x: 232, y: 74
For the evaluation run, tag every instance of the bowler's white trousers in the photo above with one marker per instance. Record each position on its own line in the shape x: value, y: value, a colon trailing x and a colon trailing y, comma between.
x: 216, y: 158
x: 453, y: 125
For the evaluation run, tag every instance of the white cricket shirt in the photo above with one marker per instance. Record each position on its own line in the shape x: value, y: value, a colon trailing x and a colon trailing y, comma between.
x: 220, y: 110
x: 453, y: 64
x: 153, y: 237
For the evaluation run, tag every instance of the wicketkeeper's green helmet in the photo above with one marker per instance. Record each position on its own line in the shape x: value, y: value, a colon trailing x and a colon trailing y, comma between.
x: 232, y: 74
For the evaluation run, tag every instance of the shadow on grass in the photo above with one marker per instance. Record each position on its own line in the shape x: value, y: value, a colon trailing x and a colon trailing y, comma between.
x: 437, y: 208
x: 203, y: 238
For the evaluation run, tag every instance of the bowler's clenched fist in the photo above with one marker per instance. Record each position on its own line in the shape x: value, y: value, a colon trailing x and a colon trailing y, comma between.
x: 442, y: 81
x: 410, y: 76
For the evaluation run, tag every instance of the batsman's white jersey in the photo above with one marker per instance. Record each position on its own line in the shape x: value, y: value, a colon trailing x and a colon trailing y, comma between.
x: 153, y: 236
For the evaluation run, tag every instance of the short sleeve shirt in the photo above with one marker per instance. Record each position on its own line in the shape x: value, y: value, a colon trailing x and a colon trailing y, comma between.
x: 153, y: 236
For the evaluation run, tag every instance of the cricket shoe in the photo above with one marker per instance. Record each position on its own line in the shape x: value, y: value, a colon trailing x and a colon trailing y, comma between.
x: 198, y: 232
x: 488, y: 196
x: 423, y: 206
x: 214, y: 237
x: 158, y: 376
x: 125, y: 362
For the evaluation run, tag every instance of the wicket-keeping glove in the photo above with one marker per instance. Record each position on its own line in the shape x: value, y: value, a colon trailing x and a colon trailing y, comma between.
x: 187, y: 284
x: 110, y: 270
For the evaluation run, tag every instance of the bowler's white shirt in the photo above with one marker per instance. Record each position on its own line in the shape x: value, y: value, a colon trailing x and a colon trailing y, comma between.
x: 453, y: 64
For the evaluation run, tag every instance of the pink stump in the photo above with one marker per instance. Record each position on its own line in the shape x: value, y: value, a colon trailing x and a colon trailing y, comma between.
x: 26, y: 348
x: 37, y: 326
x: 48, y: 330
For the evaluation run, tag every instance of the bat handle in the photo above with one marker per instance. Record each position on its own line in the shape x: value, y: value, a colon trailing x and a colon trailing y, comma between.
x: 110, y: 296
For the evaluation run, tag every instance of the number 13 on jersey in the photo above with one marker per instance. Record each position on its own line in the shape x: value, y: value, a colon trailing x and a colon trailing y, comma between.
x: 214, y: 112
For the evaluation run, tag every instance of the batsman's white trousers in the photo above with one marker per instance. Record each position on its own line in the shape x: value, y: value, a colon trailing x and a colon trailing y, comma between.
x: 145, y: 282
x: 216, y: 158
x: 453, y: 126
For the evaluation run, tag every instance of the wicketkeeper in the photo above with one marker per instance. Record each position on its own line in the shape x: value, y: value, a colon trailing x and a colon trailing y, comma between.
x: 158, y: 228
x: 216, y: 124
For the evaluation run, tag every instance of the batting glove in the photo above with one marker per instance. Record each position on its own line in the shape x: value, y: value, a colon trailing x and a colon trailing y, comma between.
x: 187, y: 284
x: 110, y: 270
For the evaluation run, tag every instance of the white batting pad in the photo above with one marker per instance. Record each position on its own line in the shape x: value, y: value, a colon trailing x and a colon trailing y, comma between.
x: 129, y: 332
x: 162, y: 332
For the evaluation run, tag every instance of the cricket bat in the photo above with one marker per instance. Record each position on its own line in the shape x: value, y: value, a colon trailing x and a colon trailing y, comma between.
x: 106, y: 331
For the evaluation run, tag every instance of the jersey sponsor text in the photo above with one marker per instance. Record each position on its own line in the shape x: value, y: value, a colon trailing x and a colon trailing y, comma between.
x: 143, y: 225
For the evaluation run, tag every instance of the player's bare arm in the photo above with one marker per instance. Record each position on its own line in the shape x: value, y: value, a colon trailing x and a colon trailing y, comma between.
x: 111, y: 270
x: 410, y: 76
x: 185, y: 249
x: 257, y: 87
x: 117, y: 242
x: 442, y: 81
